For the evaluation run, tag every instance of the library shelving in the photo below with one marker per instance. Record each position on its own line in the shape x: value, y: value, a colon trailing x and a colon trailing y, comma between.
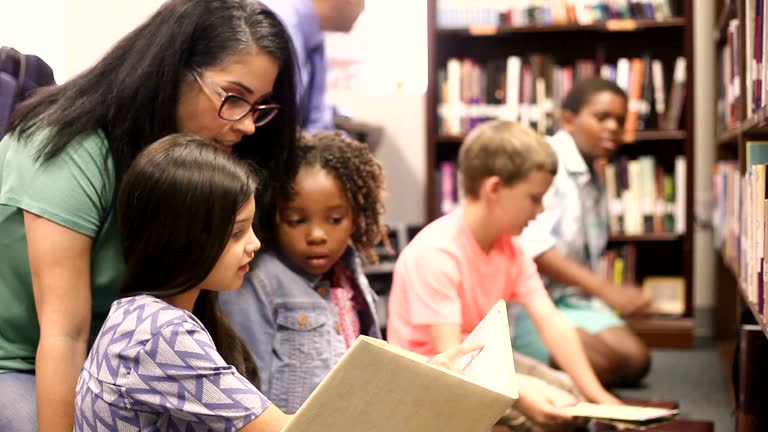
x: 740, y: 198
x: 550, y: 49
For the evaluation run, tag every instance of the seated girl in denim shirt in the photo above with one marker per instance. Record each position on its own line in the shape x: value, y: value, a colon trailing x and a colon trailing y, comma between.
x: 307, y: 298
x: 165, y: 358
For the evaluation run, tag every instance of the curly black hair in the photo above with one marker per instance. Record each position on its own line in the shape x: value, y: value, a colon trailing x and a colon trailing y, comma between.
x: 361, y: 177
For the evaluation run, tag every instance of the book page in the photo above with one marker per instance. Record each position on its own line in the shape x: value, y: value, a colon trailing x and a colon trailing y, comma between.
x: 619, y: 412
x: 492, y: 366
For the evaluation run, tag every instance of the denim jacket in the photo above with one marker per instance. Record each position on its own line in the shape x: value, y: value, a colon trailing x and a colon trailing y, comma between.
x: 290, y: 329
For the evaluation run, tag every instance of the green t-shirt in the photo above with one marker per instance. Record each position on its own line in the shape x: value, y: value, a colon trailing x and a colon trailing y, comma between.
x: 76, y: 190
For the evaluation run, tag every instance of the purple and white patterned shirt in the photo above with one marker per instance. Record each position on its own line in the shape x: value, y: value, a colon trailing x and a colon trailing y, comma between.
x: 154, y: 367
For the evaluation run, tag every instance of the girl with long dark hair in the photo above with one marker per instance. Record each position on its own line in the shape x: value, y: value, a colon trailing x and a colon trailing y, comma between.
x: 166, y: 358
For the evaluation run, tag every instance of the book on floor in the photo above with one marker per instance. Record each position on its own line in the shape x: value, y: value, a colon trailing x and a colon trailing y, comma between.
x: 622, y: 413
x: 379, y: 387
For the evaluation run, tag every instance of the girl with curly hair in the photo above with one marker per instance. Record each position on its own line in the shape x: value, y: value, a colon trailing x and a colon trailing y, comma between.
x: 306, y: 298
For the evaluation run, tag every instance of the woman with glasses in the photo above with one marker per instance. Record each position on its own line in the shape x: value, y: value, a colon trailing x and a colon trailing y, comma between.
x: 221, y: 69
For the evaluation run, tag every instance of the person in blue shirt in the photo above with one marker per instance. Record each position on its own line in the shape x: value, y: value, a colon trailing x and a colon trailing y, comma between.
x: 306, y: 20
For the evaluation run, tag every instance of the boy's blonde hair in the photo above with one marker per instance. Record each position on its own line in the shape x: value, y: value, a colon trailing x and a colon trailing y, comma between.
x: 505, y: 149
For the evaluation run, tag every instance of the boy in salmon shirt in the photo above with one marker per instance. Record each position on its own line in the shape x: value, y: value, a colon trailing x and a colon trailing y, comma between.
x: 449, y: 276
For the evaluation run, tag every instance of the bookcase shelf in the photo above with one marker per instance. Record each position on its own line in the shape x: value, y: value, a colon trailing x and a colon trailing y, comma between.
x: 649, y: 237
x: 612, y: 25
x: 602, y: 43
x: 743, y: 293
x: 753, y: 308
x: 754, y: 126
x: 642, y: 136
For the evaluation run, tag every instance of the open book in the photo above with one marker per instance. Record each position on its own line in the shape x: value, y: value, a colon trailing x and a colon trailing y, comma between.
x: 379, y: 387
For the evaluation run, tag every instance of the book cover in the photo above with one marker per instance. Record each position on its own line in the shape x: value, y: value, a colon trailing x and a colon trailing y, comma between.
x: 377, y: 387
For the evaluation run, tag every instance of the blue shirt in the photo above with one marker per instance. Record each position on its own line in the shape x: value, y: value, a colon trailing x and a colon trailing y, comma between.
x: 300, y: 19
x: 290, y: 328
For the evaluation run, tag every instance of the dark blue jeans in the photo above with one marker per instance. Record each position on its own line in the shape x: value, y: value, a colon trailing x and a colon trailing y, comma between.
x: 18, y: 407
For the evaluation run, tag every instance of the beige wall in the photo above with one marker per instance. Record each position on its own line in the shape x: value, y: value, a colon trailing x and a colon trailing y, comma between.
x: 389, y: 43
x: 69, y: 35
x: 75, y: 33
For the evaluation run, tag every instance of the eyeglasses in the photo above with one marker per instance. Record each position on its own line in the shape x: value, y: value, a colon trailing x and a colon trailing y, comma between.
x: 234, y: 107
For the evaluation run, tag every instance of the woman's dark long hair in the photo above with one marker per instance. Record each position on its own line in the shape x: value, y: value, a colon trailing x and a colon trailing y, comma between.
x: 175, y: 215
x: 133, y: 91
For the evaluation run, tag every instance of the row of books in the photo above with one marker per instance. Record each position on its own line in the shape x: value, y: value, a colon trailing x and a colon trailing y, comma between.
x: 727, y: 188
x: 531, y: 90
x: 642, y: 197
x: 739, y: 218
x: 729, y: 101
x: 748, y: 42
x: 619, y: 265
x: 755, y: 46
x: 515, y: 13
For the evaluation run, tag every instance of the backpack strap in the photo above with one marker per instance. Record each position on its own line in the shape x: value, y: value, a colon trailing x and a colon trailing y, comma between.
x: 20, y: 58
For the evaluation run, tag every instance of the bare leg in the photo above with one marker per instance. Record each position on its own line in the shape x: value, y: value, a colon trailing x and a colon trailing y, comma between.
x: 618, y: 356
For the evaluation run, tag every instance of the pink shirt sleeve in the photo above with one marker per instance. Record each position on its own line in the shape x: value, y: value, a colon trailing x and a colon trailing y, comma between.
x: 525, y: 277
x: 432, y: 281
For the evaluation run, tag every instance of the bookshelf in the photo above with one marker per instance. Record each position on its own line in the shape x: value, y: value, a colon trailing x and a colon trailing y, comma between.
x: 566, y: 43
x: 604, y: 41
x: 739, y: 223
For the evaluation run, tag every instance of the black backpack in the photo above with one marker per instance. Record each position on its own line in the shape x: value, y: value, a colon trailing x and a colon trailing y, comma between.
x: 20, y: 75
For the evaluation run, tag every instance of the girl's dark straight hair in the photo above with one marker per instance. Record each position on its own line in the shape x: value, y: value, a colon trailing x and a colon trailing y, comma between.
x: 175, y: 215
x: 131, y: 93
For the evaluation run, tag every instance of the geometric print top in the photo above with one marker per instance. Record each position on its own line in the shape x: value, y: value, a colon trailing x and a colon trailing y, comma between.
x: 154, y: 367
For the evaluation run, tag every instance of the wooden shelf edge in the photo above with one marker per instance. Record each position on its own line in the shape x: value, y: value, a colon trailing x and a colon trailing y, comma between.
x: 730, y: 265
x: 733, y: 268
x: 641, y: 136
x: 649, y: 237
x: 757, y: 123
x: 659, y: 135
x: 449, y: 139
x: 753, y: 307
x: 664, y: 332
x: 728, y: 137
x: 608, y: 26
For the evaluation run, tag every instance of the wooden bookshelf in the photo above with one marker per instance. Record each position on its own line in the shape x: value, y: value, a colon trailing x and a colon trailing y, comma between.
x: 736, y: 312
x: 604, y: 42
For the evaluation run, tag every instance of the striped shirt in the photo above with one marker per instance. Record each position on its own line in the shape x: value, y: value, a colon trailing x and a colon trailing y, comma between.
x: 154, y: 367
